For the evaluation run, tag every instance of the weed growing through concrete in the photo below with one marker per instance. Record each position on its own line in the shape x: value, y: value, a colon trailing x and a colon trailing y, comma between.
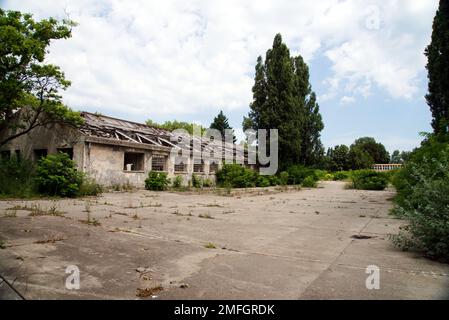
x: 37, y: 211
x: 148, y: 292
x: 205, y: 216
x: 91, y: 221
x: 210, y: 246
x: 11, y: 214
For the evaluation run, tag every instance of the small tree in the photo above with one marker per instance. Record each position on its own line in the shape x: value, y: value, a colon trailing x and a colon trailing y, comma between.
x: 56, y: 175
x: 28, y: 87
x: 221, y: 123
x: 438, y: 66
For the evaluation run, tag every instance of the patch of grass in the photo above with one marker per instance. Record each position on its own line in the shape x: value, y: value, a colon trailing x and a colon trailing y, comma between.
x: 211, y: 205
x: 148, y: 292
x: 205, y: 216
x: 91, y: 221
x: 119, y: 230
x: 135, y: 217
x: 50, y: 240
x: 37, y: 211
x: 181, y: 214
x: 210, y: 246
x: 11, y: 214
x: 2, y: 244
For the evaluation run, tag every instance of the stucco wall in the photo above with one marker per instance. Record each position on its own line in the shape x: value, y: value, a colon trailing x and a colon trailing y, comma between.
x: 103, y: 162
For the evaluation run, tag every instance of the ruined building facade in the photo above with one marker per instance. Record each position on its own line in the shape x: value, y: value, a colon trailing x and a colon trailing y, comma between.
x: 117, y: 152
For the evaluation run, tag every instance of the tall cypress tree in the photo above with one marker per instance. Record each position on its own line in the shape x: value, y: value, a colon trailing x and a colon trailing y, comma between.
x: 438, y: 66
x: 283, y: 100
x: 312, y: 149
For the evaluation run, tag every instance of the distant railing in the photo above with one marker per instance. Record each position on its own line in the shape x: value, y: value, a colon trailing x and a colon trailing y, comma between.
x: 386, y: 167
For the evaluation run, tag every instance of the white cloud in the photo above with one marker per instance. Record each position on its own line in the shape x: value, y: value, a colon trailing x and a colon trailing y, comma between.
x: 347, y: 100
x: 171, y: 58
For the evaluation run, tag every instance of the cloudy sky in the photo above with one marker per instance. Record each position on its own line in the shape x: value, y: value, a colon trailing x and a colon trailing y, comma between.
x: 186, y: 60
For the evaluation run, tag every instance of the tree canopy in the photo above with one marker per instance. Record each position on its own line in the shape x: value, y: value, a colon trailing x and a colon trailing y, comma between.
x: 221, y: 123
x: 365, y: 152
x: 438, y: 70
x: 175, y: 124
x: 283, y: 100
x: 29, y: 88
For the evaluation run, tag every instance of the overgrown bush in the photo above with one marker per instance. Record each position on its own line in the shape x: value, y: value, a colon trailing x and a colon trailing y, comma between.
x: 369, y: 180
x: 263, y: 181
x: 177, y: 182
x: 274, y: 180
x: 283, y: 178
x: 89, y: 187
x: 423, y: 189
x: 341, y: 175
x: 309, y: 182
x: 196, y: 182
x: 236, y: 176
x: 56, y: 175
x: 157, y: 181
x: 17, y: 177
x: 207, y: 183
x: 297, y: 174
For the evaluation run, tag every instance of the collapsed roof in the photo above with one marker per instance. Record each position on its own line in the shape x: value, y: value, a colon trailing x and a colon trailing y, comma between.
x: 118, y: 130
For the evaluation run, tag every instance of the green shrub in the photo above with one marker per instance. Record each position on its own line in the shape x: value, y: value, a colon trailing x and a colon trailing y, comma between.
x: 56, y: 175
x: 89, y: 187
x: 236, y: 176
x: 207, y: 183
x: 423, y: 189
x: 297, y: 174
x: 177, y: 182
x: 274, y: 180
x: 157, y: 181
x: 369, y: 180
x: 196, y: 182
x: 283, y: 178
x: 320, y: 174
x: 341, y: 175
x: 263, y: 182
x: 17, y: 177
x: 309, y: 182
x: 328, y: 177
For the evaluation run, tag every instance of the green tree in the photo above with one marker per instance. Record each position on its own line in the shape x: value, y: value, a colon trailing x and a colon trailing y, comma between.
x: 396, y: 157
x: 365, y: 152
x: 339, y: 158
x: 221, y: 123
x: 312, y: 150
x: 283, y: 100
x: 173, y: 125
x: 438, y: 67
x: 28, y: 87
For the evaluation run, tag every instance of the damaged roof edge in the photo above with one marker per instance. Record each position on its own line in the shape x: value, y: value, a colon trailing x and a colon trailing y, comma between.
x: 102, y: 129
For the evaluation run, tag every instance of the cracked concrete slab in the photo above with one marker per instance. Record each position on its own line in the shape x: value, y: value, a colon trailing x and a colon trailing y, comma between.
x: 253, y: 244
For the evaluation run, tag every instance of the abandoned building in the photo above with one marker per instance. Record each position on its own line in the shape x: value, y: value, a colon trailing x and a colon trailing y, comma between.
x: 118, y: 152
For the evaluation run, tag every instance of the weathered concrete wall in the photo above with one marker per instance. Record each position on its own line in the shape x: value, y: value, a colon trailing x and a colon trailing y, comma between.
x: 105, y: 163
x: 51, y: 138
x: 102, y: 162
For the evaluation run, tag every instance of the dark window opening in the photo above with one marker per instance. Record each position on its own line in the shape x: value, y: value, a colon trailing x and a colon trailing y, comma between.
x: 158, y: 163
x: 133, y: 161
x: 18, y: 154
x: 40, y: 153
x: 213, y: 167
x: 5, y: 155
x: 198, y: 166
x: 68, y: 151
x: 181, y: 167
